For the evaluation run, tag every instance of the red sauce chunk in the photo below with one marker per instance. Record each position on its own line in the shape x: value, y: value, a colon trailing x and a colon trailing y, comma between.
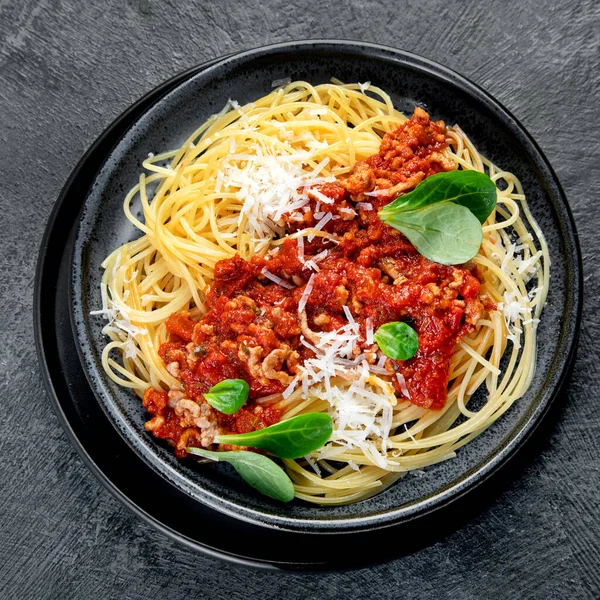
x: 252, y: 328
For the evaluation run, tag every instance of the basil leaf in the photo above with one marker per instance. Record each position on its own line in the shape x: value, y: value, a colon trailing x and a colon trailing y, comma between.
x: 256, y: 470
x: 471, y: 189
x: 293, y: 438
x: 445, y: 233
x: 397, y: 340
x: 228, y: 396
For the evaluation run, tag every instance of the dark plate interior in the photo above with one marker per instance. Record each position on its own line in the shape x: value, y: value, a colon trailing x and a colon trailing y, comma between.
x: 410, y: 81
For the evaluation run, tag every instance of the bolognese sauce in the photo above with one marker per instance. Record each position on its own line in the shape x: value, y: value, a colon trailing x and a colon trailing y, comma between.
x: 258, y: 312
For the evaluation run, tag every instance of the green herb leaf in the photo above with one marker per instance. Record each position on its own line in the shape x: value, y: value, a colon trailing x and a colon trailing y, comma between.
x: 471, y: 189
x: 445, y: 233
x: 397, y: 340
x: 293, y: 438
x: 255, y: 469
x: 442, y: 216
x: 228, y: 396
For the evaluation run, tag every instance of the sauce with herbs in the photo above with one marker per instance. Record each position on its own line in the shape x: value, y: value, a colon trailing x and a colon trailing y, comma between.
x: 253, y: 328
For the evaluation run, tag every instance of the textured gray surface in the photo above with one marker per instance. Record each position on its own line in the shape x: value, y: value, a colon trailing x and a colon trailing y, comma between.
x: 66, y: 70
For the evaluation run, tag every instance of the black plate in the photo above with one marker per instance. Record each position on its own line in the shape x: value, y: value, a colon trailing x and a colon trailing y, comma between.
x: 215, y: 499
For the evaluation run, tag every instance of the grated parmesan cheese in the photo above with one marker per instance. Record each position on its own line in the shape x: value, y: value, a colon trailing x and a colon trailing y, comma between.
x: 313, y: 464
x: 270, y: 185
x: 321, y: 256
x: 306, y: 293
x: 377, y: 193
x: 349, y: 316
x: 361, y: 404
x: 517, y: 307
x: 321, y: 197
x: 130, y: 348
x: 118, y: 319
x: 320, y: 225
x: 290, y: 388
x: 403, y: 386
x: 410, y: 435
x: 348, y: 211
x: 276, y: 279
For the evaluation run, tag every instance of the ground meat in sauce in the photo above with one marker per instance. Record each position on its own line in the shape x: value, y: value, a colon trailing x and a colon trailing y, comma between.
x: 252, y: 330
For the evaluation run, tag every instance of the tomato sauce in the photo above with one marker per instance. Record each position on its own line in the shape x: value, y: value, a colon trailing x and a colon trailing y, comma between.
x: 252, y: 329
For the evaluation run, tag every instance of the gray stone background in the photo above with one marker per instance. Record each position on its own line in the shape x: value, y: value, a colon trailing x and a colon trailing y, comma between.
x: 67, y: 69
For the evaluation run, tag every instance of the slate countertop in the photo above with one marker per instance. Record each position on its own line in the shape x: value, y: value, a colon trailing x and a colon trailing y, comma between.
x: 67, y: 69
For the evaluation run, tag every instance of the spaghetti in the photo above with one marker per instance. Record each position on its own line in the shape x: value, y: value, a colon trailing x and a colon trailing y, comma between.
x: 239, y: 190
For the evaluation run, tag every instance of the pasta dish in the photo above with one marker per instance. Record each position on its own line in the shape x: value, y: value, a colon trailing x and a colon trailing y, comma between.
x: 328, y: 286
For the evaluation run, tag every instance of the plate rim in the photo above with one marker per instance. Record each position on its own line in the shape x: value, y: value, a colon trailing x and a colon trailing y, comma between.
x: 529, y: 422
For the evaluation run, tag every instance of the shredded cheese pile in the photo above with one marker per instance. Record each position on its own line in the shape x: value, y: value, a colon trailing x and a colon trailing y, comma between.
x: 119, y: 323
x: 272, y: 182
x: 362, y: 416
x: 360, y: 402
x: 516, y: 306
x: 117, y: 316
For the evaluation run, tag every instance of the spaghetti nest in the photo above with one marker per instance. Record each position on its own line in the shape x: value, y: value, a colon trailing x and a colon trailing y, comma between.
x: 228, y: 191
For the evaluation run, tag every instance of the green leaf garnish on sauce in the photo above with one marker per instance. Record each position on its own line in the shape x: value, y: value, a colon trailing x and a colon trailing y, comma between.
x: 255, y: 469
x: 397, y: 340
x: 228, y: 396
x: 293, y: 438
x: 445, y: 233
x: 442, y: 216
x: 471, y: 189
